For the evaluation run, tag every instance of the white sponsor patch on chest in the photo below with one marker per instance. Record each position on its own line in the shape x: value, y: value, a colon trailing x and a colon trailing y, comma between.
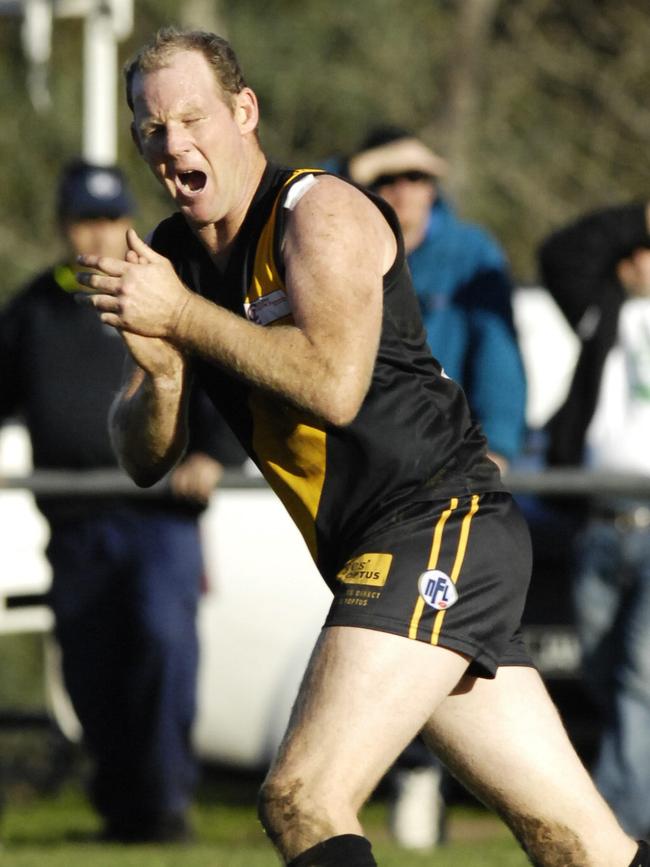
x: 273, y: 306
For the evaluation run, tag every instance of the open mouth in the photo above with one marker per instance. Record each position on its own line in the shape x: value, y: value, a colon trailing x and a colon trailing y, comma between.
x: 192, y: 181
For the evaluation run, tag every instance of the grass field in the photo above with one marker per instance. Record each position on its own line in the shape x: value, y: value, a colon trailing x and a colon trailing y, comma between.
x: 47, y: 822
x: 57, y: 830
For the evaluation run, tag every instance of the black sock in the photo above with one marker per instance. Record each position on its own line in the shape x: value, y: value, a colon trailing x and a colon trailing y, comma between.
x: 642, y: 857
x: 346, y: 850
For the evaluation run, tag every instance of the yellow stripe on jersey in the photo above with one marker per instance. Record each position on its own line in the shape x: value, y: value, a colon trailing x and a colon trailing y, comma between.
x: 292, y: 454
x: 433, y: 562
x: 292, y: 458
x: 266, y: 278
x: 458, y: 562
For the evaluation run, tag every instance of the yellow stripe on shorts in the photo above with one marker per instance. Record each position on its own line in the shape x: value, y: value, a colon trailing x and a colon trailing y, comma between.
x: 433, y: 562
x: 458, y: 562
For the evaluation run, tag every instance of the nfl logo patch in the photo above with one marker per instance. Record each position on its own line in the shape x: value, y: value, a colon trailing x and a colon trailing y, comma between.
x: 437, y: 589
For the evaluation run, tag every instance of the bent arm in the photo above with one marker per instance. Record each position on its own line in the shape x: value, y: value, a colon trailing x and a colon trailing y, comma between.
x: 148, y: 422
x: 337, y: 248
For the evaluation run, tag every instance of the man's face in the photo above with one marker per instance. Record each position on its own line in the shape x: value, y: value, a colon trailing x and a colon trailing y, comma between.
x: 192, y: 137
x: 411, y: 195
x: 100, y: 235
x: 634, y: 273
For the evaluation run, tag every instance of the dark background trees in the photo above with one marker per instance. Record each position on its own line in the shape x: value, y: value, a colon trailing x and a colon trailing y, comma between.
x: 540, y: 106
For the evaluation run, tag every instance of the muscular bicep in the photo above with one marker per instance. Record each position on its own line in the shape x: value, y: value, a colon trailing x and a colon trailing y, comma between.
x: 336, y: 250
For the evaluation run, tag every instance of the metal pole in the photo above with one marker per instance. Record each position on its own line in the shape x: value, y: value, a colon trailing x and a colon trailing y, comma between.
x: 100, y: 87
x: 36, y: 34
x: 567, y: 482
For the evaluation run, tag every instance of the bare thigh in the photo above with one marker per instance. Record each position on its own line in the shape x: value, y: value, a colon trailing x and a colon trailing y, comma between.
x: 504, y: 739
x: 365, y: 695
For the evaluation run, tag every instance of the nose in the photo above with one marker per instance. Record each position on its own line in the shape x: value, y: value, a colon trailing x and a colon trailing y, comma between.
x: 177, y: 140
x: 402, y: 186
x: 399, y: 191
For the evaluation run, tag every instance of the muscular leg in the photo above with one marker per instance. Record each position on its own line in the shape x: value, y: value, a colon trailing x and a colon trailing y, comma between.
x: 503, y: 738
x: 365, y: 695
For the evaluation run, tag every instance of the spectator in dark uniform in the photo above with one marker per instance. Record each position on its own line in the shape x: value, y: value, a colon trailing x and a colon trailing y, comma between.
x: 127, y: 572
x: 597, y: 268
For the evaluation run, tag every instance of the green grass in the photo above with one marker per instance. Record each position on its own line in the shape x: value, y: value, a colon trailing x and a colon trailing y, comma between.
x: 48, y: 823
x: 57, y: 831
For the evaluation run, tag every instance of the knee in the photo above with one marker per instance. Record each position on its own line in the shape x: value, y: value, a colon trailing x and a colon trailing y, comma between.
x: 289, y: 809
x: 279, y: 803
x: 548, y: 843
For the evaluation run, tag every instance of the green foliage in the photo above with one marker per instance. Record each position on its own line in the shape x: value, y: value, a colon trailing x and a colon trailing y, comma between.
x: 326, y: 72
x: 539, y: 105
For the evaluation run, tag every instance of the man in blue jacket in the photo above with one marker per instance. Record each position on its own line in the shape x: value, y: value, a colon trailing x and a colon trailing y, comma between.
x: 462, y: 280
x: 463, y: 284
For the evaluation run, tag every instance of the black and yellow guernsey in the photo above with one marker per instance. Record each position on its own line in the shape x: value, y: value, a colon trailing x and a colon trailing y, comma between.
x: 412, y: 440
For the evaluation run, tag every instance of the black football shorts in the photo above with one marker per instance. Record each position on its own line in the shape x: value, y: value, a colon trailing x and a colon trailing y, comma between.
x: 452, y: 573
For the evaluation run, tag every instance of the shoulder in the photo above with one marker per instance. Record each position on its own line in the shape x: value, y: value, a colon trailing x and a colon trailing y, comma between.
x: 35, y: 291
x: 480, y: 242
x: 466, y: 230
x: 334, y: 207
x: 475, y: 232
x: 328, y: 192
x: 30, y: 304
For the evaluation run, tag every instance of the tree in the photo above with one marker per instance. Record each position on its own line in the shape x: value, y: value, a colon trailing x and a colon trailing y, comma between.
x: 539, y: 105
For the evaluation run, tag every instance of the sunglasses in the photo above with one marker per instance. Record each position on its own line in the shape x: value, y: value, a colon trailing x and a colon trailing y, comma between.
x: 412, y: 176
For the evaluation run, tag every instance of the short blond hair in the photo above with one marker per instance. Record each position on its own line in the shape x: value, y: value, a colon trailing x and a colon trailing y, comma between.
x: 167, y: 41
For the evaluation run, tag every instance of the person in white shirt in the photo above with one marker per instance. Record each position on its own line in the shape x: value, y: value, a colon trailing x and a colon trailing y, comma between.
x: 598, y: 270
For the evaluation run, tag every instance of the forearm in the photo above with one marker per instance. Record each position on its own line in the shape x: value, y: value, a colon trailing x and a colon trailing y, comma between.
x: 281, y: 359
x: 323, y: 361
x: 148, y: 425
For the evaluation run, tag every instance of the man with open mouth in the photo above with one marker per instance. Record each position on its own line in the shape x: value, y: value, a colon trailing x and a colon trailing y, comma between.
x: 284, y: 293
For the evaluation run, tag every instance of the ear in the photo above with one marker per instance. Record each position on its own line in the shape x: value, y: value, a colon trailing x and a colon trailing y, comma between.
x: 135, y: 137
x: 246, y: 111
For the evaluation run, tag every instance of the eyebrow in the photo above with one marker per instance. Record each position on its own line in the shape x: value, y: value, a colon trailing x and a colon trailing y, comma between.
x: 187, y: 109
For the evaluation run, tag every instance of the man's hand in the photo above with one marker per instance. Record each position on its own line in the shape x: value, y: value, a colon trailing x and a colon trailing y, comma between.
x: 140, y: 294
x: 196, y: 478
